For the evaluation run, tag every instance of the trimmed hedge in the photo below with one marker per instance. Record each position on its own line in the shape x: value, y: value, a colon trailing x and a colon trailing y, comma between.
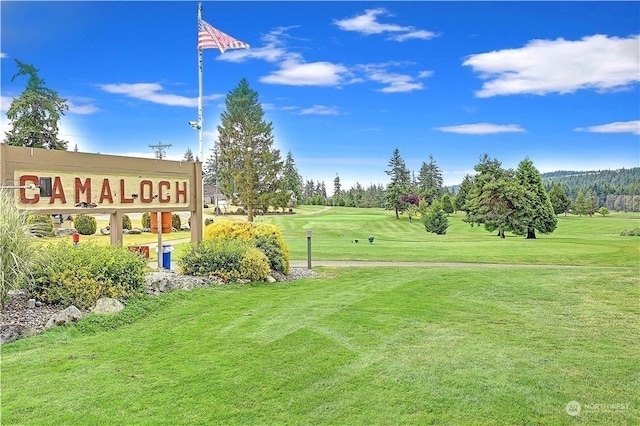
x: 40, y: 225
x: 85, y: 224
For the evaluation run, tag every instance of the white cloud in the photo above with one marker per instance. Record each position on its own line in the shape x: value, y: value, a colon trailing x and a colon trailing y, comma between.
x: 559, y: 66
x: 81, y: 106
x: 295, y: 72
x: 272, y: 51
x: 152, y: 92
x: 367, y: 23
x: 482, y: 129
x: 320, y: 110
x: 5, y: 103
x: 394, y: 82
x: 617, y: 127
x: 3, y: 55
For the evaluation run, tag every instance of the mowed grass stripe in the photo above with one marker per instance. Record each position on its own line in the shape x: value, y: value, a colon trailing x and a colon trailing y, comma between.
x: 368, y: 346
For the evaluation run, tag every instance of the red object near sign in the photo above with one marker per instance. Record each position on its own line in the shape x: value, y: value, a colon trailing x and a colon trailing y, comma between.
x: 76, y: 238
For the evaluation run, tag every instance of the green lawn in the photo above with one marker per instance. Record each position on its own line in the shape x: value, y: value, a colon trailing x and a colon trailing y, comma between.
x: 477, y: 345
x: 497, y: 345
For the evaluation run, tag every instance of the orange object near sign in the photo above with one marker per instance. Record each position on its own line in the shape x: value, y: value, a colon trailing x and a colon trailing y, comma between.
x: 166, y: 222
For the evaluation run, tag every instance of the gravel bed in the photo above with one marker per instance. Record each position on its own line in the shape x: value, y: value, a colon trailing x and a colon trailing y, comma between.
x: 17, y: 312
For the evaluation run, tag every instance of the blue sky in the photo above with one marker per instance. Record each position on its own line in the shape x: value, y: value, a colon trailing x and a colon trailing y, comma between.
x: 344, y: 83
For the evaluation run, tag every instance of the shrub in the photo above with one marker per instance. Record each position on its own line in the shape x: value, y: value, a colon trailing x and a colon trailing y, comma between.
x: 126, y: 222
x: 41, y: 224
x: 270, y: 241
x: 146, y: 220
x: 266, y: 237
x: 633, y: 232
x: 229, y: 259
x: 207, y: 221
x: 436, y: 220
x: 81, y: 274
x: 176, y: 223
x: 17, y: 246
x: 85, y: 224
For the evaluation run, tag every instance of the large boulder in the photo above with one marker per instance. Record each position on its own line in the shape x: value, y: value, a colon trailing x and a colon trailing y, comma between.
x: 166, y: 282
x: 71, y: 314
x: 63, y: 232
x: 107, y: 306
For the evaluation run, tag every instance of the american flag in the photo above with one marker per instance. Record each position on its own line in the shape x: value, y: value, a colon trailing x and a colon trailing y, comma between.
x: 209, y: 37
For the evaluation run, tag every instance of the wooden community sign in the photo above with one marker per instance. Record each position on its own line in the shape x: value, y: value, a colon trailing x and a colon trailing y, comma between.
x: 61, y: 182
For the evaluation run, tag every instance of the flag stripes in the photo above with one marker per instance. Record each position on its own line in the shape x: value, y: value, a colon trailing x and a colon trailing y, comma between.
x: 209, y: 37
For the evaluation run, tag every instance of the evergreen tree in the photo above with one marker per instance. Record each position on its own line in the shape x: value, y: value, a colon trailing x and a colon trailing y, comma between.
x: 579, y: 206
x: 591, y: 203
x: 430, y: 181
x: 292, y: 179
x: 338, y: 199
x: 247, y: 160
x: 538, y: 213
x: 447, y: 205
x: 495, y: 199
x: 34, y: 114
x: 559, y: 199
x: 463, y: 192
x: 210, y: 170
x: 188, y: 156
x: 399, y: 184
x: 435, y: 220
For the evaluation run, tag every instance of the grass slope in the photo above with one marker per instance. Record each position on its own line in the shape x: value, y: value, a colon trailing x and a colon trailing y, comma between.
x: 377, y: 346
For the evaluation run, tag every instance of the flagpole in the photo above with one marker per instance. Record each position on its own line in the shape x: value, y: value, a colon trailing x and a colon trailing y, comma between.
x: 200, y: 66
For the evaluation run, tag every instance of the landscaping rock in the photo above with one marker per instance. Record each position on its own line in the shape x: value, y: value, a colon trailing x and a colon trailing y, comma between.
x: 107, y: 306
x: 167, y: 281
x: 11, y: 332
x: 134, y: 231
x: 105, y: 231
x: 71, y: 314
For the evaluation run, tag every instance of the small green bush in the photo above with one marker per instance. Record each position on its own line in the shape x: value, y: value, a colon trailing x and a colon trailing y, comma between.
x: 80, y: 275
x: 270, y: 241
x: 207, y: 221
x: 176, y: 223
x: 41, y: 224
x: 633, y: 232
x: 436, y: 220
x: 85, y: 224
x: 146, y: 220
x: 229, y: 259
x: 126, y: 222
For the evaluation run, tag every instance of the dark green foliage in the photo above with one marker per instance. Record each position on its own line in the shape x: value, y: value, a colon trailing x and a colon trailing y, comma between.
x: 146, y: 220
x: 538, y: 213
x: 126, y: 222
x: 447, y: 205
x: 461, y: 197
x: 176, y: 222
x: 207, y: 221
x: 399, y: 184
x: 34, y: 114
x: 229, y: 259
x: 292, y: 178
x: 559, y: 199
x: 80, y: 275
x: 249, y: 166
x: 41, y: 225
x: 436, y: 220
x: 430, y: 181
x: 85, y: 224
x: 633, y: 232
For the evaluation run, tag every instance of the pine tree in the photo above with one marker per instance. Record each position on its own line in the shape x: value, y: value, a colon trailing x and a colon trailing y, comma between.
x: 559, y: 199
x: 248, y: 162
x: 34, y: 114
x: 188, y: 156
x: 447, y: 205
x: 399, y: 184
x: 463, y: 192
x: 435, y: 220
x: 430, y: 181
x: 579, y: 206
x: 538, y: 212
x: 292, y: 179
x: 338, y: 198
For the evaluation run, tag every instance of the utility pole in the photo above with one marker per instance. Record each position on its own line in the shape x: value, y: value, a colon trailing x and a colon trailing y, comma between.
x: 159, y: 149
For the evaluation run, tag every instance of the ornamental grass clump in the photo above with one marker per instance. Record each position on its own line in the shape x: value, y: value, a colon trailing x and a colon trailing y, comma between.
x: 80, y: 275
x: 17, y: 248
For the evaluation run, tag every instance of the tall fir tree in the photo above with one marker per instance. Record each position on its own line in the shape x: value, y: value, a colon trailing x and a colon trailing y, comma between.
x: 559, y: 199
x: 538, y: 214
x: 399, y: 184
x: 34, y: 115
x: 291, y: 176
x: 430, y: 181
x: 338, y: 196
x: 249, y: 166
x: 188, y: 156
